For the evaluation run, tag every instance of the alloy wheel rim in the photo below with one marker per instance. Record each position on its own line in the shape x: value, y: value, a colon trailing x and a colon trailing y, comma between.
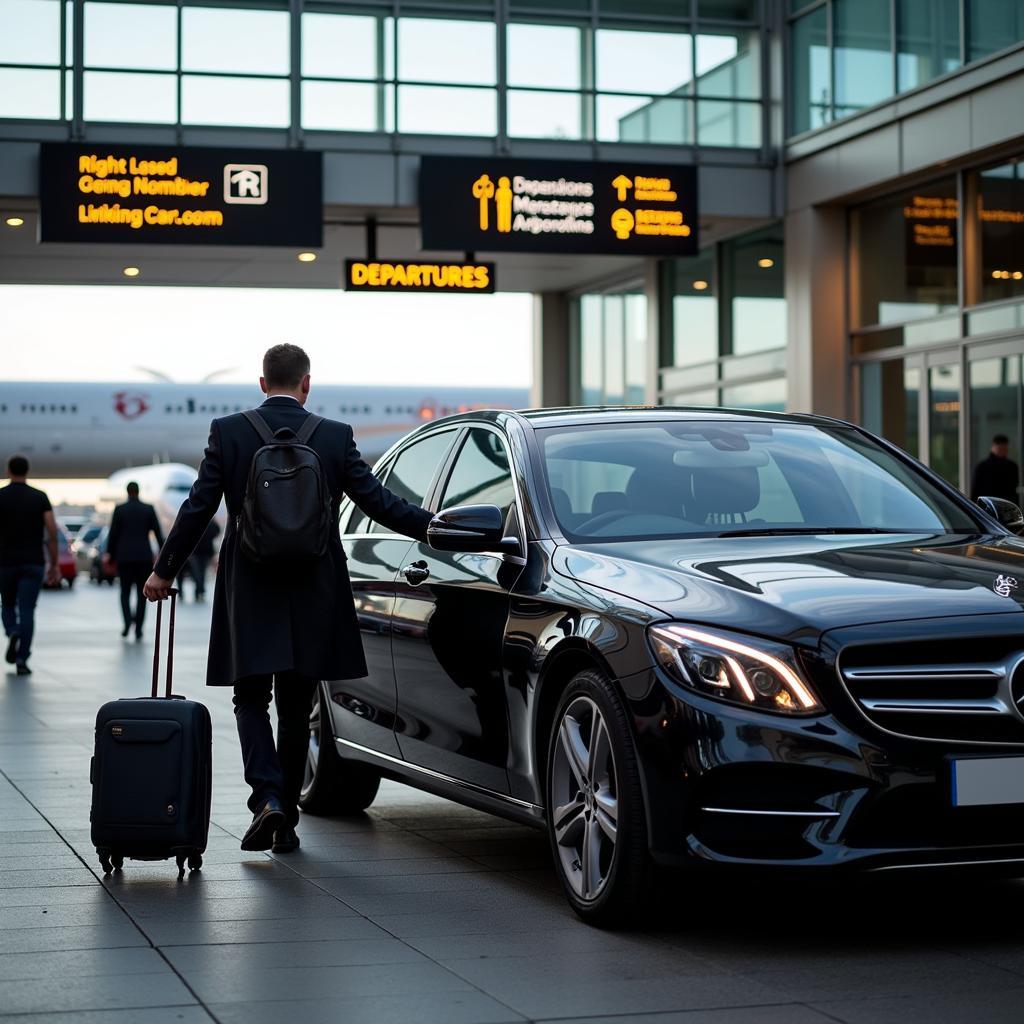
x: 584, y: 799
x: 313, y: 753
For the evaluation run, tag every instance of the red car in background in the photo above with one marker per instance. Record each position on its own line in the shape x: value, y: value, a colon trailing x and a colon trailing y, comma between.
x: 65, y: 559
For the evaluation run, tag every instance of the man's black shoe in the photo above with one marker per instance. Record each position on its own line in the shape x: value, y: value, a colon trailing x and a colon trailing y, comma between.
x: 285, y: 840
x: 138, y: 635
x: 12, y: 650
x: 23, y: 669
x: 124, y: 632
x: 264, y: 824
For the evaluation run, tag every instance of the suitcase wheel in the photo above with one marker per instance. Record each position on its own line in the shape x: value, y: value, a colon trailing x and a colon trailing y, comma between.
x: 181, y: 865
x: 105, y: 862
x: 117, y: 860
x: 195, y: 861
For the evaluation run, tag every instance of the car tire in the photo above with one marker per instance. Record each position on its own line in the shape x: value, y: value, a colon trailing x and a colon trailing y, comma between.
x: 597, y: 822
x: 333, y: 785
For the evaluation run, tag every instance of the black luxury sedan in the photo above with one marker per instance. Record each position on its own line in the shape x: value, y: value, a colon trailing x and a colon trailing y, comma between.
x: 687, y: 637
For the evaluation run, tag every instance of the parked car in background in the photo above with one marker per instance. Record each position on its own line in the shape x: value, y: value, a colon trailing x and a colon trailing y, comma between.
x: 65, y: 559
x: 73, y: 524
x: 83, y: 543
x: 98, y: 572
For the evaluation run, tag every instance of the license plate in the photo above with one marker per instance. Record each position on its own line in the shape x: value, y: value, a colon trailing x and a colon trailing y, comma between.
x: 981, y: 781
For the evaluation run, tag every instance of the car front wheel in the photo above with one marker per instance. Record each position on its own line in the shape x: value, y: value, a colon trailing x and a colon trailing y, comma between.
x: 596, y: 819
x: 333, y: 785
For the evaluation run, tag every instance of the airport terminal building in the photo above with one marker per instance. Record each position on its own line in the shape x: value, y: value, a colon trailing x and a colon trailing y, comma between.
x: 775, y: 204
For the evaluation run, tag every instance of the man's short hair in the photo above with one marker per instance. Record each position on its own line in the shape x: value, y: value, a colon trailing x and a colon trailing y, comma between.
x: 17, y: 465
x: 284, y: 366
x: 1000, y: 439
x: 133, y: 489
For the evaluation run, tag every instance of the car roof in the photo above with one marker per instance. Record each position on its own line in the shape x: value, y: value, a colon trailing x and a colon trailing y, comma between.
x: 580, y: 415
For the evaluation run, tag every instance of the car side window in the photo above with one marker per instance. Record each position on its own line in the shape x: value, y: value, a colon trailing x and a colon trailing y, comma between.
x: 481, y: 474
x: 410, y: 474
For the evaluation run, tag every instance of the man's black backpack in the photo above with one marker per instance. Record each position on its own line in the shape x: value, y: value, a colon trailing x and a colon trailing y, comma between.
x: 286, y: 513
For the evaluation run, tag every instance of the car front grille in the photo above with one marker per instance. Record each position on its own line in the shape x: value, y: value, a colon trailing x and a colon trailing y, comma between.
x: 960, y: 691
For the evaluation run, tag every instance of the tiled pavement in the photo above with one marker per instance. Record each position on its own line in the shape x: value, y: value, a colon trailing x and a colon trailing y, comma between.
x: 421, y: 911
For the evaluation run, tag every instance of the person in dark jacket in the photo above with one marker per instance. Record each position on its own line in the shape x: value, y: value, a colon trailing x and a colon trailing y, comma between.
x: 279, y: 629
x: 26, y: 517
x: 199, y: 563
x: 996, y: 476
x: 129, y: 548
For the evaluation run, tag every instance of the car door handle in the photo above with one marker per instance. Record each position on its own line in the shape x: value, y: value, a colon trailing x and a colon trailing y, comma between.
x: 416, y: 572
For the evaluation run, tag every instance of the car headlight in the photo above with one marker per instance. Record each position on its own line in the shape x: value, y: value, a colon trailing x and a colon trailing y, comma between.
x: 754, y: 673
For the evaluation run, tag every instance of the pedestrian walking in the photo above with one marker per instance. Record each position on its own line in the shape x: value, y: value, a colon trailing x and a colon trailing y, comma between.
x: 130, y: 549
x: 199, y: 563
x: 996, y: 476
x: 26, y: 518
x: 283, y: 611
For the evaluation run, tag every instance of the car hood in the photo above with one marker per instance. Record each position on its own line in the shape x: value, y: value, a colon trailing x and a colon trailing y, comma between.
x: 799, y: 587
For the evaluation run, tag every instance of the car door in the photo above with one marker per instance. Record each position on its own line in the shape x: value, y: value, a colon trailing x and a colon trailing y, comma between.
x: 364, y: 709
x: 450, y: 613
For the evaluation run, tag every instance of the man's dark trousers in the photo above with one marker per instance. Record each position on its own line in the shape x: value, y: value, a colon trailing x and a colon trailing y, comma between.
x: 133, y: 575
x: 274, y: 772
x: 19, y: 591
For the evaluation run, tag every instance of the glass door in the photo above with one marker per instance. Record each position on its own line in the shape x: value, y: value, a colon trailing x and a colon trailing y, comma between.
x: 944, y: 402
x: 996, y: 401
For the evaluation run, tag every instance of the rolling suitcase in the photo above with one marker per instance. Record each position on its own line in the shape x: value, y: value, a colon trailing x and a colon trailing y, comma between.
x: 151, y: 774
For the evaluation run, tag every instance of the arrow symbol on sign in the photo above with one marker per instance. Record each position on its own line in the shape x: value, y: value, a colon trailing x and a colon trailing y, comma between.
x: 622, y: 183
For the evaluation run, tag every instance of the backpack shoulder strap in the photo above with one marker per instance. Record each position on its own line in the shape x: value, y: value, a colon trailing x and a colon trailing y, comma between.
x: 260, y: 425
x: 309, y: 425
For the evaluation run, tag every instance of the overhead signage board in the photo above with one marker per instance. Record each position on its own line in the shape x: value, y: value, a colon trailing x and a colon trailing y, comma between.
x: 418, y: 276
x: 157, y: 195
x: 509, y: 205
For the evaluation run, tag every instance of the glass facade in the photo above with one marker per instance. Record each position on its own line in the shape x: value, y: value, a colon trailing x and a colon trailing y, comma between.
x: 722, y: 322
x: 595, y: 71
x: 937, y: 303
x: 847, y: 55
x: 611, y: 348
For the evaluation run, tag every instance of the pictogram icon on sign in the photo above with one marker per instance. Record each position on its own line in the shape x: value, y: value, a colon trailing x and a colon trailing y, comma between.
x: 245, y: 184
x: 622, y: 184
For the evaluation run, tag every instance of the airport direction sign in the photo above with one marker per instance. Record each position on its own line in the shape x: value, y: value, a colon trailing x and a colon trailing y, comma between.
x: 186, y: 195
x: 418, y: 276
x: 492, y: 204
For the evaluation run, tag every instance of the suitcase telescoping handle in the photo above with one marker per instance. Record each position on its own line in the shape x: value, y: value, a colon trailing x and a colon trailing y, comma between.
x: 170, y: 644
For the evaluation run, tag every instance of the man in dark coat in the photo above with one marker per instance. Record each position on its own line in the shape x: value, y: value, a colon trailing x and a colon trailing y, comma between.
x: 996, y: 476
x: 130, y: 549
x: 288, y: 627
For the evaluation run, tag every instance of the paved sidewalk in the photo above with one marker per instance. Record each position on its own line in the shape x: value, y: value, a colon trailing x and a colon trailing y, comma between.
x: 421, y: 911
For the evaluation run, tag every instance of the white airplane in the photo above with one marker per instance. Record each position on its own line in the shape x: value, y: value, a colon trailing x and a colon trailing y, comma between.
x: 76, y: 430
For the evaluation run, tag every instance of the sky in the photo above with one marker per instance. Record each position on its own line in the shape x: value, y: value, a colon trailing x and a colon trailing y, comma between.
x: 117, y: 333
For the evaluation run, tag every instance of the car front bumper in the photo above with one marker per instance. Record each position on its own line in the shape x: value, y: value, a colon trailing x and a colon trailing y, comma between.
x: 725, y: 785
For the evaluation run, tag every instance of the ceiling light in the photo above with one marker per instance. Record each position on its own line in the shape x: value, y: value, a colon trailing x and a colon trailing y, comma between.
x: 306, y: 257
x: 131, y: 271
x: 765, y: 263
x: 700, y: 285
x: 15, y: 222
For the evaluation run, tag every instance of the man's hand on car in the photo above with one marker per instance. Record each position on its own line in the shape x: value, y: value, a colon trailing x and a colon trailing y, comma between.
x: 157, y: 588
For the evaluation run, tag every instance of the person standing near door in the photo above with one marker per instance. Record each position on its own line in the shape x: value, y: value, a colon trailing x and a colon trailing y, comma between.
x: 996, y: 476
x: 130, y: 549
x: 26, y: 516
x: 279, y: 627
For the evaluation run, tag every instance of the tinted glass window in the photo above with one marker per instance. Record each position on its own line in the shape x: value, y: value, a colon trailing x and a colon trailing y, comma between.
x: 689, y: 478
x: 481, y: 474
x: 409, y: 476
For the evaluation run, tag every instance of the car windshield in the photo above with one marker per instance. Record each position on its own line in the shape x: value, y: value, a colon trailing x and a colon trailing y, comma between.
x: 684, y: 479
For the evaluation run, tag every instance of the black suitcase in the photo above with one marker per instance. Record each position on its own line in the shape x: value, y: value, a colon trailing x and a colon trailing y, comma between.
x: 152, y: 773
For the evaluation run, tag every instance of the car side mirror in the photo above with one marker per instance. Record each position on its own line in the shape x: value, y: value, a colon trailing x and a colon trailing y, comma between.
x: 1006, y: 513
x: 471, y: 528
